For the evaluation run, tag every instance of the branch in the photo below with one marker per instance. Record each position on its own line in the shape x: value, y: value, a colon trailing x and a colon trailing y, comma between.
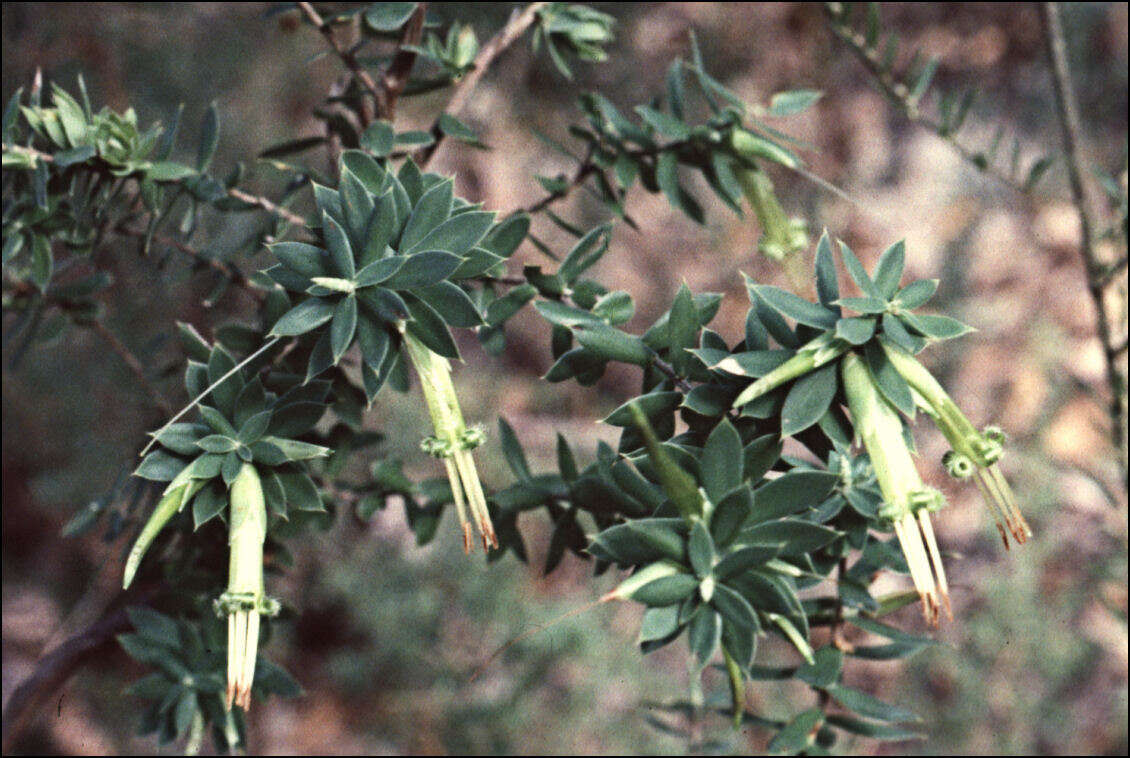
x: 133, y: 363
x: 54, y: 669
x: 395, y: 78
x: 347, y: 57
x: 230, y: 271
x: 1068, y: 112
x: 262, y: 202
x: 515, y: 27
x: 899, y: 94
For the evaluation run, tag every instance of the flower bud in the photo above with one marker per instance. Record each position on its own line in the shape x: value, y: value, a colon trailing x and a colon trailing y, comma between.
x: 809, y: 357
x: 780, y: 235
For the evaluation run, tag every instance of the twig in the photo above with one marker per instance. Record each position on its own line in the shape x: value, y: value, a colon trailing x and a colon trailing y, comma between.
x: 899, y: 94
x: 517, y: 25
x: 395, y: 78
x: 53, y: 670
x: 133, y: 363
x: 267, y: 205
x: 347, y: 57
x: 246, y: 197
x: 233, y: 273
x: 1068, y: 112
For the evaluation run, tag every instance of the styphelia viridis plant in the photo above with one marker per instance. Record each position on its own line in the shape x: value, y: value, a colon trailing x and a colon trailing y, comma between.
x: 240, y: 458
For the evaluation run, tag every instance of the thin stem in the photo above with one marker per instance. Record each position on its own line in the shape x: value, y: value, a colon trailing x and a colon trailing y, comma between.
x: 347, y: 57
x: 900, y: 95
x: 1068, y: 112
x: 519, y: 22
x: 268, y: 344
x: 133, y: 363
x: 233, y: 274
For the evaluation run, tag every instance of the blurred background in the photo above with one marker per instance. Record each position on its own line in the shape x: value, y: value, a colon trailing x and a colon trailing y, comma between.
x: 387, y: 634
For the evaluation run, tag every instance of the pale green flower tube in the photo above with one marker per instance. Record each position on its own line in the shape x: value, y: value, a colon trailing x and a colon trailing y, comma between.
x: 907, y: 501
x: 453, y: 441
x: 974, y: 453
x: 245, y: 600
x: 176, y: 495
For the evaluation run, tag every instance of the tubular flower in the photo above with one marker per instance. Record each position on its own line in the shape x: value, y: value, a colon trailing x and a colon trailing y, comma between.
x: 245, y: 600
x: 907, y: 501
x: 453, y: 441
x: 974, y: 454
x: 781, y: 236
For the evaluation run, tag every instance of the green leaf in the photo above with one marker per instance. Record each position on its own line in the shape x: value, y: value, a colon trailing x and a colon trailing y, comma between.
x: 159, y: 466
x: 916, y: 293
x: 743, y: 559
x: 588, y: 250
x: 343, y: 327
x: 870, y: 729
x: 512, y: 450
x: 456, y: 129
x: 827, y: 288
x: 704, y: 633
x: 659, y: 623
x: 209, y: 138
x: 295, y: 450
x: 700, y: 549
x: 867, y: 305
x: 388, y: 17
x: 789, y: 494
x: 652, y: 405
x: 457, y: 235
x: 254, y: 428
x: 379, y: 137
x: 380, y: 270
x: 300, y: 491
x: 303, y: 318
x: 666, y: 590
x: 427, y: 326
x: 295, y: 419
x: 640, y: 541
x: 433, y: 208
x: 824, y: 669
x: 341, y: 254
x: 664, y: 123
x: 169, y: 171
x: 857, y: 273
x: 677, y: 483
x: 209, y: 503
x: 855, y: 330
x: 793, y: 102
x: 888, y: 272
x: 890, y: 383
x: 181, y: 438
x: 734, y: 608
x: 730, y: 515
x: 422, y: 269
x: 611, y: 344
x: 798, y: 734
x: 866, y: 705
x: 683, y: 326
x: 937, y: 327
x: 797, y: 537
x: 721, y: 462
x: 451, y: 303
x: 808, y: 399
